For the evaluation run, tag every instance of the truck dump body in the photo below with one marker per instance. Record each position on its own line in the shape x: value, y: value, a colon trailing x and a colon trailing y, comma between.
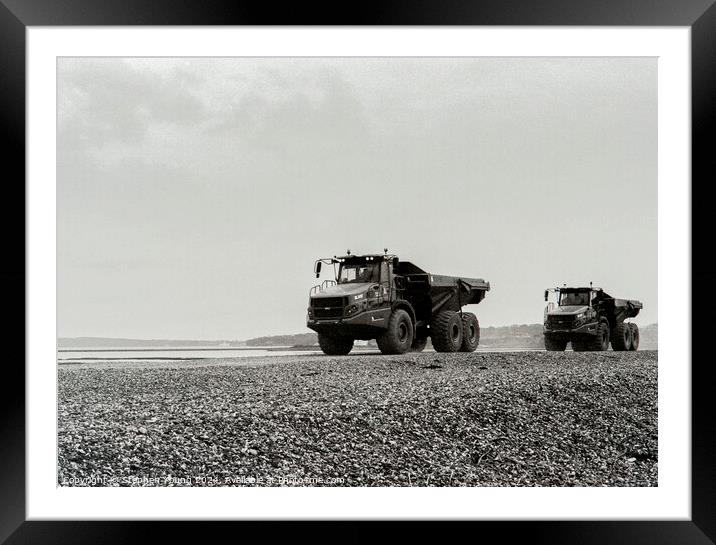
x: 431, y: 293
x: 629, y: 306
x: 620, y: 309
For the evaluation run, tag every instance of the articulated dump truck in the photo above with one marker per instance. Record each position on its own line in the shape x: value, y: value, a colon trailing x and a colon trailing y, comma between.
x: 394, y: 302
x: 590, y: 319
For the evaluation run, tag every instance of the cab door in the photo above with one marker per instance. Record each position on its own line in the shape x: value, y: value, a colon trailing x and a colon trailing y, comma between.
x: 386, y: 282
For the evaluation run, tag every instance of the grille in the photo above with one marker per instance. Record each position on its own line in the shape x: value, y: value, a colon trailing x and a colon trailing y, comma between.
x: 560, y: 322
x: 327, y: 307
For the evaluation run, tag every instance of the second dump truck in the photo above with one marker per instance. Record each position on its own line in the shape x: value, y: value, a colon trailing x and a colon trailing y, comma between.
x: 590, y: 319
x: 396, y: 303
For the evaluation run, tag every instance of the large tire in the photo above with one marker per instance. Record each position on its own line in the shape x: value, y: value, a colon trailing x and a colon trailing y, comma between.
x: 470, y: 332
x: 600, y: 342
x: 554, y: 345
x: 634, y: 337
x: 333, y: 345
x: 398, y: 338
x: 446, y: 331
x: 621, y: 337
x: 418, y: 344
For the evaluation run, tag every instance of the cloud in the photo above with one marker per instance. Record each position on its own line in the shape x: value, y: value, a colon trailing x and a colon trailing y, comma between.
x: 104, y: 101
x: 230, y: 175
x: 174, y: 112
x: 324, y: 115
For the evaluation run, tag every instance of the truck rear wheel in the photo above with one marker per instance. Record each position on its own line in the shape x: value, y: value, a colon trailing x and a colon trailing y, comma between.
x: 554, y: 345
x: 446, y: 331
x: 634, y: 337
x: 621, y: 337
x: 398, y: 338
x: 470, y: 332
x: 418, y: 344
x: 334, y: 345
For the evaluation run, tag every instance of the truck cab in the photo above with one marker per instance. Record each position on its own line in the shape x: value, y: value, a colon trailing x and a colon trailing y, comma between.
x: 357, y: 300
x: 573, y: 311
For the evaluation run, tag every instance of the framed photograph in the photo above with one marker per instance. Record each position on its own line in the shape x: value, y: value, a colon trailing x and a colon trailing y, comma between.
x: 406, y: 267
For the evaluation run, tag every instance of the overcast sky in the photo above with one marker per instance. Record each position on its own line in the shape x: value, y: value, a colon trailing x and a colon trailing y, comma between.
x: 193, y: 195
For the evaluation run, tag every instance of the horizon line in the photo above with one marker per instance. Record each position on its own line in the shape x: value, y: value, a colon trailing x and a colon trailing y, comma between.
x: 257, y: 337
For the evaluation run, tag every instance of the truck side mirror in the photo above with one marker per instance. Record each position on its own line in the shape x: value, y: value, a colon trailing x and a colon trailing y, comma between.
x: 317, y: 269
x: 546, y: 295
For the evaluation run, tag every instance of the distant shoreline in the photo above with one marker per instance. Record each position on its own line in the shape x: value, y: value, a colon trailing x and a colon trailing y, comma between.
x: 171, y: 349
x: 520, y: 337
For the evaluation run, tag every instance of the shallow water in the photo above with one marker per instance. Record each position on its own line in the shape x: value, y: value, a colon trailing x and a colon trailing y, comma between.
x: 67, y: 356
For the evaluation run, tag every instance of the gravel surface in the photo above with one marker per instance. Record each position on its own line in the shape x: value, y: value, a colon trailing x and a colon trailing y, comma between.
x: 502, y: 419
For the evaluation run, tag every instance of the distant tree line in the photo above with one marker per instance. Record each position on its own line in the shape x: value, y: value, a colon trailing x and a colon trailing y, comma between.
x: 526, y: 336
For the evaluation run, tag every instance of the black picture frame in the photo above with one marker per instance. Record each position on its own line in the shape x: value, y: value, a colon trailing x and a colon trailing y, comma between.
x: 16, y: 15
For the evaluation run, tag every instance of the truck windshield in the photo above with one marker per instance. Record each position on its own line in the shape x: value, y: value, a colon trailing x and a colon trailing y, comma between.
x: 362, y: 272
x: 574, y: 298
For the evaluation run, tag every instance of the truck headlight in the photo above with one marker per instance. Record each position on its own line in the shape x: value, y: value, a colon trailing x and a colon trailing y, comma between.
x: 355, y: 308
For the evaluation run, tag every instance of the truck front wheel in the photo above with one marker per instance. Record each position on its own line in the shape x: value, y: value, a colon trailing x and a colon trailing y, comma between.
x: 600, y: 342
x: 446, y: 331
x: 554, y: 345
x: 470, y: 332
x: 333, y: 345
x: 398, y: 338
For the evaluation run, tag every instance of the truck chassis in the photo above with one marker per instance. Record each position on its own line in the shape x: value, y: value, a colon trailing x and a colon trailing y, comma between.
x: 401, y: 307
x: 592, y: 326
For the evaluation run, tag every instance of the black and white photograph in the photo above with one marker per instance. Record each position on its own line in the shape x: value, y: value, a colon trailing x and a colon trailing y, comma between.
x: 398, y: 263
x: 357, y: 271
